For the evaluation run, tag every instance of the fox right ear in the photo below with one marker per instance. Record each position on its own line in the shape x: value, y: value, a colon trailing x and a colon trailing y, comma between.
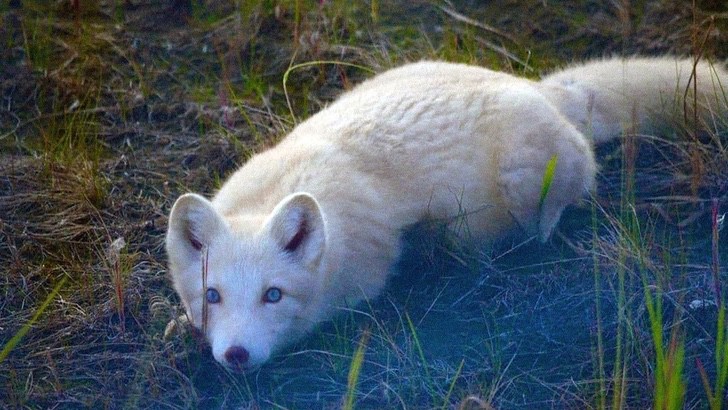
x: 193, y: 223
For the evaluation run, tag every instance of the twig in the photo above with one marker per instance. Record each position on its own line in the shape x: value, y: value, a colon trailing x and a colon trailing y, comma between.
x: 715, y: 265
x: 467, y: 20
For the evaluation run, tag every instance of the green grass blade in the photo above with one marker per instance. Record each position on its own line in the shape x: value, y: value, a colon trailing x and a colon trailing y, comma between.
x: 418, y: 346
x: 721, y: 357
x: 13, y: 342
x: 446, y: 402
x: 548, y: 177
x: 676, y: 389
x: 355, y: 370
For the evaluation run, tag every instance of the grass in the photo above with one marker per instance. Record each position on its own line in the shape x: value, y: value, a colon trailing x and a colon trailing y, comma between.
x: 670, y: 386
x: 292, y: 68
x: 108, y: 112
x: 548, y: 177
x: 634, y: 247
x: 355, y: 371
x: 420, y: 353
x: 715, y: 395
x: 15, y: 340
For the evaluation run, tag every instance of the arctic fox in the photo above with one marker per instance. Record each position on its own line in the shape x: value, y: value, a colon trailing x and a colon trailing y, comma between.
x: 314, y: 223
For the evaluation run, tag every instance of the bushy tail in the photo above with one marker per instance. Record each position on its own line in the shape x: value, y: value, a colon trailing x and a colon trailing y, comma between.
x: 603, y: 98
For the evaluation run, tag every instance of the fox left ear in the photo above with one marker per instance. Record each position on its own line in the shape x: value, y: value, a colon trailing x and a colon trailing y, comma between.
x: 297, y: 225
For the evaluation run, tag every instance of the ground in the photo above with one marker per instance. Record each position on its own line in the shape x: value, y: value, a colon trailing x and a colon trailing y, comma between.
x: 112, y: 109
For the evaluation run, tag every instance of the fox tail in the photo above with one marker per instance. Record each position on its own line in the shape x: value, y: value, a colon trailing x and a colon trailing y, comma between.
x: 604, y: 98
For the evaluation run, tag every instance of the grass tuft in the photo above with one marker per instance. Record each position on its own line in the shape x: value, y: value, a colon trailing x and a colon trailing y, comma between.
x: 716, y: 393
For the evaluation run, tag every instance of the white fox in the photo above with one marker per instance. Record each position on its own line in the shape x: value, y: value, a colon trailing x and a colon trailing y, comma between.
x: 314, y: 223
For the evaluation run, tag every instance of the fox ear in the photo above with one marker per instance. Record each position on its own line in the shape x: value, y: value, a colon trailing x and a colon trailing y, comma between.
x: 297, y: 226
x: 193, y: 223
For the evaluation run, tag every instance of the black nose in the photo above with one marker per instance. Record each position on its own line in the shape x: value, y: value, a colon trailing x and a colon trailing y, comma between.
x: 237, y: 356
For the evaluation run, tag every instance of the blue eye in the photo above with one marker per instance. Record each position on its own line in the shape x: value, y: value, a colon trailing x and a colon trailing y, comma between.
x: 212, y: 295
x: 272, y: 295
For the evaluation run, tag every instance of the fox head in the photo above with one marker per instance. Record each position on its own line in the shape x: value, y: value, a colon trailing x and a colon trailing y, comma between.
x: 260, y: 274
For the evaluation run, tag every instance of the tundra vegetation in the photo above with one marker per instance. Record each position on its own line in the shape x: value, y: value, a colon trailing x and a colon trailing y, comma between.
x: 111, y: 109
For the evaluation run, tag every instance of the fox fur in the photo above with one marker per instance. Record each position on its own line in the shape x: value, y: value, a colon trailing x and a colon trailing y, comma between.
x: 313, y: 224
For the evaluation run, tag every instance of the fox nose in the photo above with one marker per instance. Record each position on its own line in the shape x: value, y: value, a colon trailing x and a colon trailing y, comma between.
x: 237, y: 356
